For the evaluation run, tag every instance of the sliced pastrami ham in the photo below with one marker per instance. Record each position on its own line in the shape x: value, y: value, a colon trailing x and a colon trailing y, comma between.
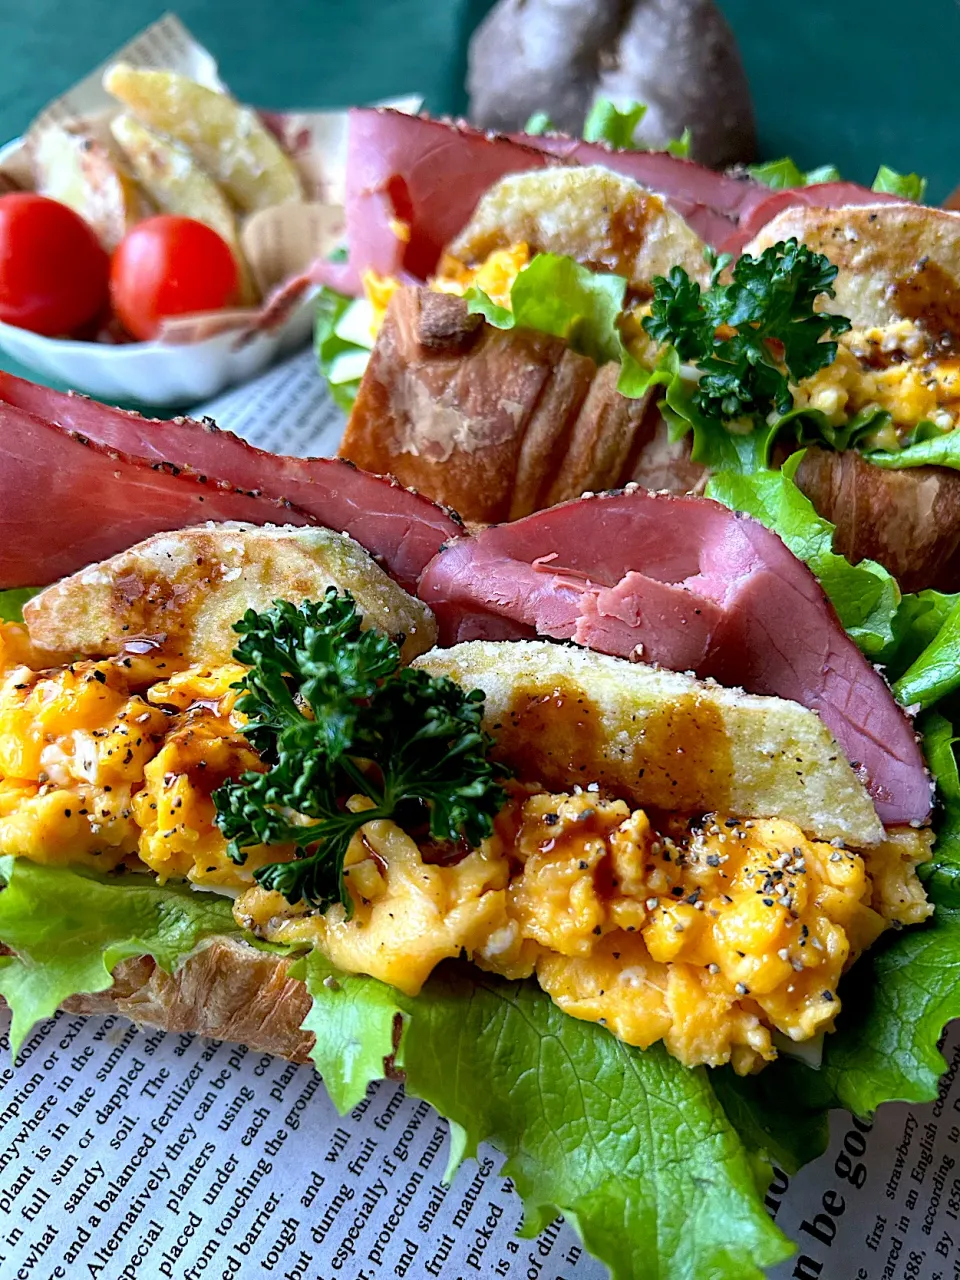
x: 66, y: 501
x: 402, y: 529
x: 688, y: 584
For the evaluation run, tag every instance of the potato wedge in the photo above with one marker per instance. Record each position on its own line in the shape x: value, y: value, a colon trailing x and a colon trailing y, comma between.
x: 176, y: 184
x: 74, y: 167
x: 191, y: 586
x: 658, y: 738
x: 226, y: 139
x: 897, y: 261
x: 600, y: 218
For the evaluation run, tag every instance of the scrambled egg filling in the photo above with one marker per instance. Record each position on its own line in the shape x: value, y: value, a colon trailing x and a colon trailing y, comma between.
x: 495, y: 276
x: 894, y: 368
x: 713, y: 934
x: 116, y: 761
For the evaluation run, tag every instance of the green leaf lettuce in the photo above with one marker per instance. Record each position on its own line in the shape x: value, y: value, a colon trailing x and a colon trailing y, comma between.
x: 632, y: 1148
x: 70, y: 930
x: 908, y: 185
x: 342, y: 348
x: 556, y: 295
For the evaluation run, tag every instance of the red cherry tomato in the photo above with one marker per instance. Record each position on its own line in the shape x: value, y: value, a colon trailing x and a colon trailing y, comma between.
x: 170, y: 266
x: 53, y: 272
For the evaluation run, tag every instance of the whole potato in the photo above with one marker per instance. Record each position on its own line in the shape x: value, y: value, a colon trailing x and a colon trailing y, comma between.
x: 677, y: 56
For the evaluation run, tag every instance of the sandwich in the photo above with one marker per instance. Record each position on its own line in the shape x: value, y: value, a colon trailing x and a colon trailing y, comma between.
x: 630, y: 316
x: 597, y: 815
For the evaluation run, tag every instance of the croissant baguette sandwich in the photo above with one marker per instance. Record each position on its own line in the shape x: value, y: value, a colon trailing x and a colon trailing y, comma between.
x: 653, y: 372
x: 601, y: 814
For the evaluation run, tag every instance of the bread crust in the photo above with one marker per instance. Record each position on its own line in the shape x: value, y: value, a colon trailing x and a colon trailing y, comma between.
x: 228, y: 990
x: 907, y: 520
x: 494, y: 423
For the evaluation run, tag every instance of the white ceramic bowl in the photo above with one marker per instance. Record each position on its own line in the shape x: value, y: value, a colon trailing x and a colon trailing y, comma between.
x: 155, y: 373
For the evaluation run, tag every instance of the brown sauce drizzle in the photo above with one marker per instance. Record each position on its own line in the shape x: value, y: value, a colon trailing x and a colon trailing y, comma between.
x: 678, y: 759
x: 928, y: 295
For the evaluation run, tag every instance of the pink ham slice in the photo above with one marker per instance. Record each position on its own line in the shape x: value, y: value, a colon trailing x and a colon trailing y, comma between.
x: 65, y: 501
x: 822, y: 195
x: 427, y: 175
x: 401, y: 528
x: 686, y: 583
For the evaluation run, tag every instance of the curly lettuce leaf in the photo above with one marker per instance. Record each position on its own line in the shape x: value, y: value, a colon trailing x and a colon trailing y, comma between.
x: 930, y: 447
x: 556, y: 295
x: 780, y: 175
x: 908, y: 185
x: 539, y: 123
x: 942, y: 876
x: 787, y: 1135
x: 616, y: 126
x: 342, y: 344
x: 632, y: 1148
x: 352, y: 1019
x: 680, y: 147
x: 935, y: 672
x: 865, y: 596
x: 12, y: 602
x: 70, y: 929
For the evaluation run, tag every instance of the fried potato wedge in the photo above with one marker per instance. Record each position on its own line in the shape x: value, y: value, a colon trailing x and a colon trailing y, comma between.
x: 659, y: 738
x: 176, y: 184
x: 77, y: 169
x: 897, y: 261
x: 602, y: 219
x: 225, y: 138
x: 186, y: 590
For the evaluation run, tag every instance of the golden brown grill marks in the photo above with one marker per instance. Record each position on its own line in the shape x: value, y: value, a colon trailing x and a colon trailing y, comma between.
x: 928, y: 295
x: 680, y: 752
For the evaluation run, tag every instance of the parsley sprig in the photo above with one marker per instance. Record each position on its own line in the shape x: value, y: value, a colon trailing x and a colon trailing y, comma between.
x: 752, y: 337
x: 333, y: 714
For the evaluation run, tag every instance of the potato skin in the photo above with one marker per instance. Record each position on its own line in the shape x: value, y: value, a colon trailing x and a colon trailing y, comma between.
x: 677, y: 56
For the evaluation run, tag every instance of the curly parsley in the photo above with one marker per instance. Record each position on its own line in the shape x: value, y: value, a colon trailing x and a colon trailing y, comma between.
x: 333, y: 714
x: 754, y: 336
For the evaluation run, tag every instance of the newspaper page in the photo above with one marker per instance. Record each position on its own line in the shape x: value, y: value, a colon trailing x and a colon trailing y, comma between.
x: 127, y: 1154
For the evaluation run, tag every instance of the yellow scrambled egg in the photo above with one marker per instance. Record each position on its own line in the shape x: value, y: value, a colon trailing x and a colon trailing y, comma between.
x: 893, y: 368
x: 495, y: 276
x: 712, y: 935
x: 113, y: 761
x: 711, y: 938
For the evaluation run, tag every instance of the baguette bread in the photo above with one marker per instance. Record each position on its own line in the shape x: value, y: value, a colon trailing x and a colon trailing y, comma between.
x: 227, y: 990
x: 494, y: 423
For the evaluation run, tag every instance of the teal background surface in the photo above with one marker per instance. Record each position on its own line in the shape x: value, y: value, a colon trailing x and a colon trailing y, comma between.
x: 853, y: 82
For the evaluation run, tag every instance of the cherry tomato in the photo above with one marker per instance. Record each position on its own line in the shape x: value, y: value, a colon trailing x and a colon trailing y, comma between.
x: 53, y: 272
x: 170, y: 266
